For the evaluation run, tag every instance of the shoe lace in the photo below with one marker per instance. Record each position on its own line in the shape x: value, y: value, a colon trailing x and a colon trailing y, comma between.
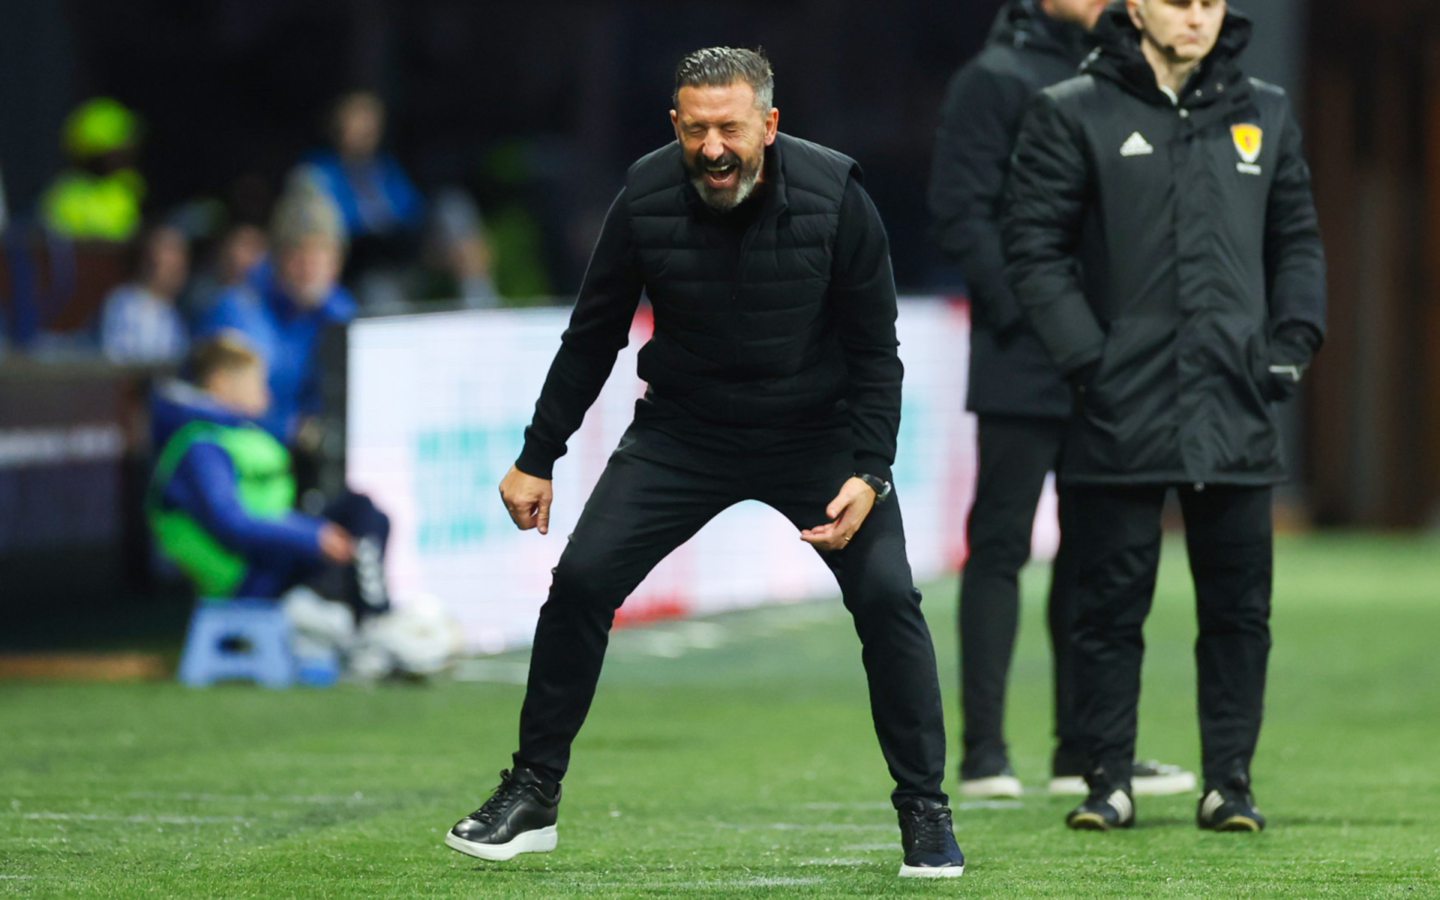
x: 931, y: 828
x: 506, y: 794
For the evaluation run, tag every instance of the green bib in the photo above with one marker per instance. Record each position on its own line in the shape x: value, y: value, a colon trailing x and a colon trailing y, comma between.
x: 266, y: 490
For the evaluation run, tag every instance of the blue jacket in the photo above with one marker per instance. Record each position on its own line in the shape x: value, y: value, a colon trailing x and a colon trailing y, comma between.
x: 286, y: 336
x: 391, y: 204
x: 204, y: 486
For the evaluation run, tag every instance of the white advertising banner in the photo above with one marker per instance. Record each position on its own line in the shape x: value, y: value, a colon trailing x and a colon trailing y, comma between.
x: 437, y: 407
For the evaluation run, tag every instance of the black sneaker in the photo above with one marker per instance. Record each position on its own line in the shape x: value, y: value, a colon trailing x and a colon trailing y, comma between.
x: 928, y: 836
x: 1105, y: 808
x: 1229, y: 808
x: 518, y: 818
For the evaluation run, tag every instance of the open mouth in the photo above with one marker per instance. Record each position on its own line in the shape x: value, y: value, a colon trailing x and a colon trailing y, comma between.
x: 721, y: 176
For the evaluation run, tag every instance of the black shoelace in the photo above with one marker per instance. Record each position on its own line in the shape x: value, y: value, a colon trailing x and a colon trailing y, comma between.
x: 932, y: 828
x: 507, y: 793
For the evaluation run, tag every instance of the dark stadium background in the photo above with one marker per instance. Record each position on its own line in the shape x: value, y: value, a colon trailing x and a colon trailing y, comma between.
x: 543, y: 103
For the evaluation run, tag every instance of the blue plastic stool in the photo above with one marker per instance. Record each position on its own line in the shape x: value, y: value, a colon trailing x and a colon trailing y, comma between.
x: 238, y: 639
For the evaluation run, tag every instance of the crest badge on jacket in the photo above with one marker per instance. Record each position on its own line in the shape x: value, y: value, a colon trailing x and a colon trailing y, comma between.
x: 1249, y: 140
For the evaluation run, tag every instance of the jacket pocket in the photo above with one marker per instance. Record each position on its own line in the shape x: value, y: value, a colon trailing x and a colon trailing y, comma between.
x: 1101, y: 392
x: 1261, y: 377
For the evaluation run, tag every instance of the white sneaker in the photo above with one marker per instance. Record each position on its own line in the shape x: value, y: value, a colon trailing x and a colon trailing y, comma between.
x: 1154, y: 779
x: 1147, y: 779
x: 317, y: 622
x: 1069, y: 786
x: 993, y: 787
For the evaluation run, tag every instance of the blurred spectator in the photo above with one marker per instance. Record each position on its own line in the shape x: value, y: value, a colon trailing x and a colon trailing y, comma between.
x: 515, y: 233
x: 4, y: 218
x: 222, y: 509
x: 140, y: 322
x: 457, y: 254
x: 99, y: 196
x: 382, y: 211
x: 241, y: 250
x: 286, y: 304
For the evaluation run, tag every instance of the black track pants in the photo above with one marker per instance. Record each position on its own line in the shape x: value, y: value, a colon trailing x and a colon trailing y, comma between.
x: 1229, y: 539
x: 1016, y: 453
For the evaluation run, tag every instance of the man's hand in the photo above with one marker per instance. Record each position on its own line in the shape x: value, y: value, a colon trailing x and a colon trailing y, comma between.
x: 847, y: 513
x: 336, y: 544
x: 528, y: 500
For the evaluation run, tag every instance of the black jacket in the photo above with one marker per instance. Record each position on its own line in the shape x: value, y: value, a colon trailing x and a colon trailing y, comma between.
x: 1010, y: 372
x: 780, y: 315
x: 1168, y: 255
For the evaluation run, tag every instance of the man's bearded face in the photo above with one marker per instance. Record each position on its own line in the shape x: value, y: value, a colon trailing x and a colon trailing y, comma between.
x: 723, y: 136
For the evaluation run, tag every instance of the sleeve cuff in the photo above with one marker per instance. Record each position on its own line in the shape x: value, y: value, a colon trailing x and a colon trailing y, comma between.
x: 870, y: 464
x: 535, y: 464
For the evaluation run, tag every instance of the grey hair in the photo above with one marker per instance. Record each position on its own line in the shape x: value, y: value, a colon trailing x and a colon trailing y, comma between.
x: 722, y: 66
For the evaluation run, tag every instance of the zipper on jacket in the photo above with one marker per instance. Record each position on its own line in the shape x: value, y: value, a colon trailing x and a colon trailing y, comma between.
x: 1174, y: 99
x: 745, y: 243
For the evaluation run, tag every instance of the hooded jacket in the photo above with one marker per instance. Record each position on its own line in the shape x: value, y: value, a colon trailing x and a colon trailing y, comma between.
x: 287, y: 335
x: 1168, y: 255
x: 1010, y: 371
x: 203, y: 485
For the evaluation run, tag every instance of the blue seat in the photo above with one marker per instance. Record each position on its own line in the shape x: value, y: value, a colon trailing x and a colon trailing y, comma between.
x: 246, y: 639
x: 238, y: 639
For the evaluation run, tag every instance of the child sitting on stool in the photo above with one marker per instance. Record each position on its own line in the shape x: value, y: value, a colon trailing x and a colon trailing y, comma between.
x: 222, y: 508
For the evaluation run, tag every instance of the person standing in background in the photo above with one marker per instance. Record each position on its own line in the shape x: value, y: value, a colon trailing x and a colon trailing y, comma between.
x: 140, y: 322
x: 1019, y: 396
x: 382, y: 211
x: 1162, y: 238
x: 99, y: 197
x: 287, y: 304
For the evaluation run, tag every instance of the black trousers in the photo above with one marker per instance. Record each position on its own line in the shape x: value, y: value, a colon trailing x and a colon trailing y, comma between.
x: 1229, y: 539
x: 650, y: 500
x: 360, y: 584
x: 1015, y: 455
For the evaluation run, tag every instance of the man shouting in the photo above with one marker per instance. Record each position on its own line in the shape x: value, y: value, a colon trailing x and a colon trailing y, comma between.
x: 773, y: 376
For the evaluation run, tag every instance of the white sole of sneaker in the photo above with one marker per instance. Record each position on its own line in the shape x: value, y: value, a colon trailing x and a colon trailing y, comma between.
x: 1088, y: 822
x: 1147, y: 786
x: 1237, y: 823
x: 994, y: 787
x: 541, y: 840
x: 931, y: 871
x: 1161, y: 785
x: 1069, y: 786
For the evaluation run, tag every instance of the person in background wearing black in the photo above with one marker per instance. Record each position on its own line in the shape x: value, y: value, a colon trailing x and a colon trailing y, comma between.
x: 1017, y: 393
x: 773, y: 375
x: 1161, y: 235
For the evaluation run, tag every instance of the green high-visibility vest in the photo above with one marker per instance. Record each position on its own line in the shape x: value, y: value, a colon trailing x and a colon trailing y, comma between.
x: 266, y: 490
x: 89, y: 207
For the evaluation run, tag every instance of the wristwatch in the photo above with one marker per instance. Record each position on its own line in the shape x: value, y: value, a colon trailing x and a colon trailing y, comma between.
x: 880, y: 486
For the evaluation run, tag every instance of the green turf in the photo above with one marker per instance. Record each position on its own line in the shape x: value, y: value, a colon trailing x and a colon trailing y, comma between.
x: 734, y: 756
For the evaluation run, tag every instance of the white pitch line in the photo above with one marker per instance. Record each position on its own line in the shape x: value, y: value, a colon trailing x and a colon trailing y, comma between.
x: 800, y: 826
x: 134, y: 819
x: 861, y: 806
x: 490, y: 671
x: 322, y: 799
x: 990, y: 804
x: 758, y: 881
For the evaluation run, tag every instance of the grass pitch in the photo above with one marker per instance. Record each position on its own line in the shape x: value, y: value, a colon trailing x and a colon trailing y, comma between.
x: 733, y: 757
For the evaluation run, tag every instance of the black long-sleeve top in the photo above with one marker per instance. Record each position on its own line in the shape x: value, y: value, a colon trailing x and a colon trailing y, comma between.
x: 861, y: 300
